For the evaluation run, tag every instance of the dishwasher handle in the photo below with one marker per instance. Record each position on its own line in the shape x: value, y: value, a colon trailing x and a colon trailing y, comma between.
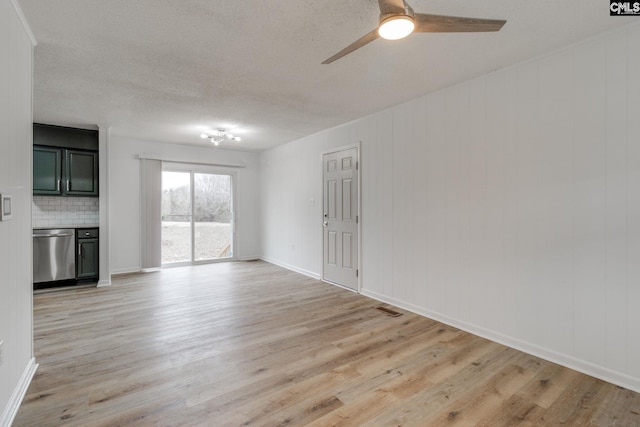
x: 53, y: 235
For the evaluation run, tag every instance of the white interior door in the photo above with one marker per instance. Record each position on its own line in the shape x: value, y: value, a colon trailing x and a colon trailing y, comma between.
x: 340, y: 222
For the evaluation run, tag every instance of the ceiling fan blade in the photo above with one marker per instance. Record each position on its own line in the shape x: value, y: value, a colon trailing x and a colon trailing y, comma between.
x: 426, y: 23
x: 353, y: 46
x: 391, y: 6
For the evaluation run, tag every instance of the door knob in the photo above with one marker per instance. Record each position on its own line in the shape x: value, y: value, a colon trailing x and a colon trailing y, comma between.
x: 325, y: 223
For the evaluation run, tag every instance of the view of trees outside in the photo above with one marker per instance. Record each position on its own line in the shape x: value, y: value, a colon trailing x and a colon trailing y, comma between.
x: 212, y: 216
x: 212, y: 198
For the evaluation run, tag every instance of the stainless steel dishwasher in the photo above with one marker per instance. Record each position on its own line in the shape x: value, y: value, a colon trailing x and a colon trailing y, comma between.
x: 54, y: 256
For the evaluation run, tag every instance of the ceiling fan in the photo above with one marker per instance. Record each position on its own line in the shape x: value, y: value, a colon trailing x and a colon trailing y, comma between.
x: 398, y: 20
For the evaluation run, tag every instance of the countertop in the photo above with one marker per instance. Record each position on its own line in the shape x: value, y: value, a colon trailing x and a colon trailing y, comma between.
x: 70, y: 226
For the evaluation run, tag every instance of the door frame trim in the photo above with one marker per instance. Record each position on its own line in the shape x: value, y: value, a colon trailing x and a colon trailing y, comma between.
x: 358, y: 147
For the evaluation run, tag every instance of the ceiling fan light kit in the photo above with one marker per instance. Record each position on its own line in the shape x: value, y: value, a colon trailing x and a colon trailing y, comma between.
x: 396, y: 27
x: 398, y: 20
x: 220, y: 136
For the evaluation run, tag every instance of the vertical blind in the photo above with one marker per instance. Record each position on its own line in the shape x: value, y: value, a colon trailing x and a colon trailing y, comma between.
x: 151, y: 216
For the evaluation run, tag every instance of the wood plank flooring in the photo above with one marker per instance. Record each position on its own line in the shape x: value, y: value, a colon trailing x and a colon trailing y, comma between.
x: 243, y: 344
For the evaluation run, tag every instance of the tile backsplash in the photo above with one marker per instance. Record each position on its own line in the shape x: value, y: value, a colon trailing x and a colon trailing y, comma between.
x: 50, y: 211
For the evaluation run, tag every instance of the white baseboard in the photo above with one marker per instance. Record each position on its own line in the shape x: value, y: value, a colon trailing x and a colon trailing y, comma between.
x: 293, y: 268
x: 18, y: 394
x: 102, y: 283
x: 124, y: 271
x: 579, y: 365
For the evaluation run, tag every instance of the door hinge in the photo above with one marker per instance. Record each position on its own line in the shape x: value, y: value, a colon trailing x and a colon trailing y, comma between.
x: 357, y: 165
x: 357, y: 271
x: 357, y: 219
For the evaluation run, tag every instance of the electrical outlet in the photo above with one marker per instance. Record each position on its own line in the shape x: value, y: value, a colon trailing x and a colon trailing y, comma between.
x: 1, y: 352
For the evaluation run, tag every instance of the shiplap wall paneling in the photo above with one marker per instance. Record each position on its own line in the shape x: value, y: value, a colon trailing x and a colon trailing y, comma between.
x: 417, y: 204
x: 633, y: 256
x: 312, y: 199
x: 308, y: 219
x: 385, y: 202
x: 289, y: 233
x: 400, y: 193
x: 377, y: 214
x: 511, y: 209
x: 499, y: 170
x: 311, y: 211
x: 510, y: 205
x: 455, y: 301
x: 616, y: 280
x: 526, y: 198
x: 554, y: 144
x: 474, y: 151
x: 434, y: 211
x: 590, y: 157
x: 309, y: 256
x: 370, y: 223
x: 415, y: 199
x: 294, y: 228
x: 269, y: 173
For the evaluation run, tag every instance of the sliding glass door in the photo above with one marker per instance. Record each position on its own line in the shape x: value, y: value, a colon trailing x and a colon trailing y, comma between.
x: 197, y: 217
x: 212, y: 214
x: 176, y: 217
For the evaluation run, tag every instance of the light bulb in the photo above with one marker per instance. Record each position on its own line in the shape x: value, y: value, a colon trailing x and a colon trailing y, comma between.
x: 396, y: 27
x: 204, y: 136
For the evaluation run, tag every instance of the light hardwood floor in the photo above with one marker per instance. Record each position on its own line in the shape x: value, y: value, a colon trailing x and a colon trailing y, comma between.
x: 252, y: 344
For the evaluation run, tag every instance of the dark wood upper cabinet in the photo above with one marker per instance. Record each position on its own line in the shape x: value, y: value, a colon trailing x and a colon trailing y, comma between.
x: 47, y: 171
x: 65, y: 137
x: 65, y: 161
x: 82, y: 173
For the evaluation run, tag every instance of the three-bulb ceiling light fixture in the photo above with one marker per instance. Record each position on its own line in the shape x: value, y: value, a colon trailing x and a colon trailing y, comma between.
x: 219, y: 136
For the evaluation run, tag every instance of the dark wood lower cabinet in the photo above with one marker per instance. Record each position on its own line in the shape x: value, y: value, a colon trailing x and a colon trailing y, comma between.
x: 87, y: 254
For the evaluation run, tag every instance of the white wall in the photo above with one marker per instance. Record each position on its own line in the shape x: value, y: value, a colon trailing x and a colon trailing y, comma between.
x: 124, y: 195
x: 508, y: 205
x: 16, y: 53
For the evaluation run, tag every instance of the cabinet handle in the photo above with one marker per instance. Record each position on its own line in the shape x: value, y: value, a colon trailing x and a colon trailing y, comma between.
x: 58, y: 186
x: 68, y: 185
x: 80, y: 249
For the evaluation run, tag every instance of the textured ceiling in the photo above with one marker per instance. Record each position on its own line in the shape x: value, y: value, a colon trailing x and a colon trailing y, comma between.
x: 168, y: 70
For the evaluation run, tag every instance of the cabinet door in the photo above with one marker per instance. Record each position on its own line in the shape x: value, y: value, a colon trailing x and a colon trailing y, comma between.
x: 47, y: 171
x: 87, y: 259
x: 82, y: 173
